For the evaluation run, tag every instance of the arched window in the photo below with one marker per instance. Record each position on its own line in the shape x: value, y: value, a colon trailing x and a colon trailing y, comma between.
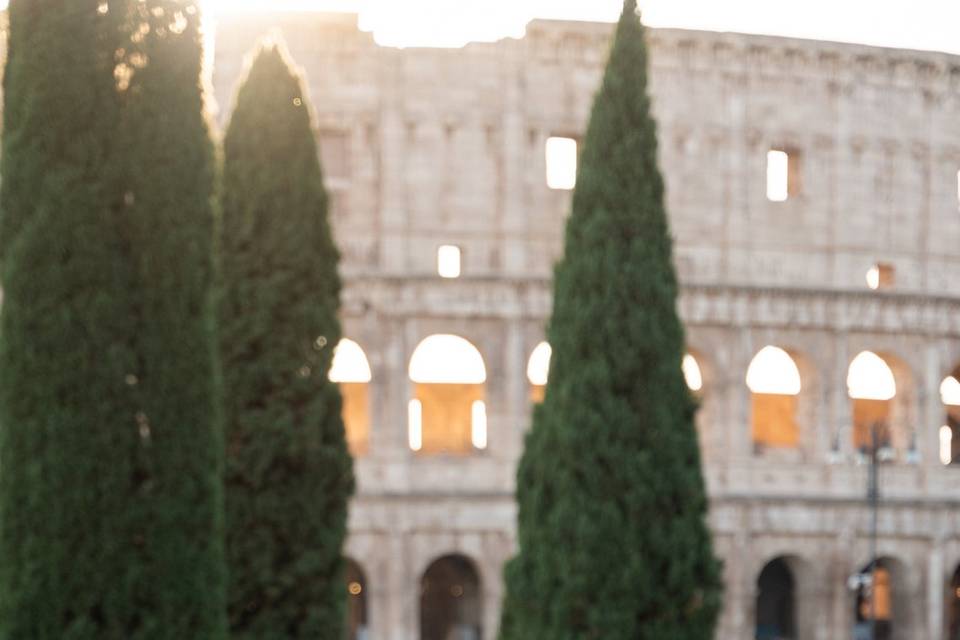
x: 872, y: 388
x: 450, y: 600
x: 776, y: 602
x: 692, y: 373
x: 358, y: 623
x: 774, y: 382
x: 351, y: 371
x: 950, y: 431
x: 448, y: 413
x: 883, y: 596
x: 538, y: 370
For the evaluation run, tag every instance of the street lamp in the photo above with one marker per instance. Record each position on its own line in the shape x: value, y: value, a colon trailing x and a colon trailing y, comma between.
x: 864, y: 581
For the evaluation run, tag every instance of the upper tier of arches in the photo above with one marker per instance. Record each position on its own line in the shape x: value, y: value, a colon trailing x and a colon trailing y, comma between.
x: 447, y: 410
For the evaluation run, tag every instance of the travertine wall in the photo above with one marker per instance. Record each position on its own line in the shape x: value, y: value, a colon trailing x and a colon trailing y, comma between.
x: 427, y: 147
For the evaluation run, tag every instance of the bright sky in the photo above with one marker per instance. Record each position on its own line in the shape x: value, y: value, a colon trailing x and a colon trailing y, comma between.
x: 913, y: 24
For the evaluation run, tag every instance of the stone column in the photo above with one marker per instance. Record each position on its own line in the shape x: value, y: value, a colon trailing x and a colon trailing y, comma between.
x: 843, y: 560
x: 935, y: 591
x: 841, y: 417
x: 732, y: 385
x: 932, y: 411
x: 513, y: 414
x: 393, y: 213
x: 400, y: 624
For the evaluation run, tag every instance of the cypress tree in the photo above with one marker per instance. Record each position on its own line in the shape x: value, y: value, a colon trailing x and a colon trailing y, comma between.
x: 289, y: 474
x: 110, y: 508
x: 169, y: 180
x: 613, y: 541
x: 68, y: 431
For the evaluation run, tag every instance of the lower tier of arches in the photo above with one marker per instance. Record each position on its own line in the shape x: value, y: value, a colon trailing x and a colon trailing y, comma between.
x: 424, y: 567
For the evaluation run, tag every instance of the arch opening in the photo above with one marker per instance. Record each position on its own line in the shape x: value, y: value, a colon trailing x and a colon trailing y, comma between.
x: 450, y: 600
x: 776, y: 602
x: 358, y: 623
x: 448, y: 413
x: 538, y: 371
x: 692, y: 373
x: 950, y: 431
x: 351, y: 371
x: 774, y: 382
x: 872, y: 388
x: 953, y: 606
x: 883, y: 597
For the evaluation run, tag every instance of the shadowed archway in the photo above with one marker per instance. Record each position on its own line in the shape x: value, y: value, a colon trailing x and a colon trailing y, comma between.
x: 450, y: 600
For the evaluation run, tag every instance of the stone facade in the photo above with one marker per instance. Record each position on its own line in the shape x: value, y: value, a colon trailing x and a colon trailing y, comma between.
x: 424, y: 147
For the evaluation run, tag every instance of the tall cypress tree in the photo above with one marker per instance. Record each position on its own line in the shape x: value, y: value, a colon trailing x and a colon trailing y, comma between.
x: 612, y: 532
x: 110, y: 506
x: 168, y: 198
x: 289, y: 474
x: 68, y: 430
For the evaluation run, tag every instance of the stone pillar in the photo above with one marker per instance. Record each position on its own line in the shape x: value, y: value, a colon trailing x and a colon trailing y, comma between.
x: 511, y: 178
x: 935, y: 592
x: 813, y: 600
x: 740, y: 583
x: 400, y: 624
x: 396, y: 387
x: 843, y: 562
x: 932, y: 411
x: 393, y: 213
x: 514, y: 412
x: 732, y: 384
x: 840, y: 420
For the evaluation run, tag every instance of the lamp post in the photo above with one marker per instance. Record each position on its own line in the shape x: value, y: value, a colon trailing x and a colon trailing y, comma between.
x: 865, y: 580
x: 873, y: 499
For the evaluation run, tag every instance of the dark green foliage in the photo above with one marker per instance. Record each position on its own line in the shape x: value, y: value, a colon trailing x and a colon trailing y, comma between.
x: 612, y: 532
x: 289, y: 475
x: 109, y: 460
x: 69, y: 432
x: 168, y: 180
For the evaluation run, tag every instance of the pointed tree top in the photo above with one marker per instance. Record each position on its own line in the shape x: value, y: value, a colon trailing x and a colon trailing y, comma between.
x: 630, y: 8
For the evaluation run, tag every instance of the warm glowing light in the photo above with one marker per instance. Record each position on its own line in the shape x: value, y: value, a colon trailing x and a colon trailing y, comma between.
x: 355, y: 588
x: 350, y: 363
x: 950, y: 391
x: 448, y: 261
x: 691, y: 373
x: 880, y: 276
x: 415, y: 425
x: 538, y: 367
x: 773, y: 371
x: 778, y: 176
x: 561, y: 163
x: 873, y: 277
x: 447, y: 359
x: 478, y: 430
x: 452, y: 24
x: 946, y: 445
x: 220, y: 7
x: 870, y: 378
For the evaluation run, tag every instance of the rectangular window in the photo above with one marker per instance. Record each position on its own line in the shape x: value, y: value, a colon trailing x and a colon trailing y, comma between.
x: 561, y: 163
x: 448, y: 261
x: 778, y: 176
x: 881, y: 276
x: 415, y: 425
x: 946, y: 446
x: 479, y: 424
